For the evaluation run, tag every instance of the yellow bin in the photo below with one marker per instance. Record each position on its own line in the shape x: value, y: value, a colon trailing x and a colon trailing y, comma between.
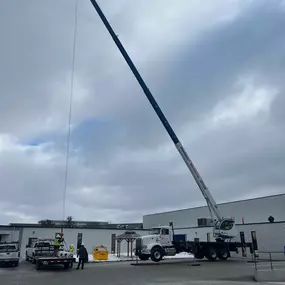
x: 100, y: 253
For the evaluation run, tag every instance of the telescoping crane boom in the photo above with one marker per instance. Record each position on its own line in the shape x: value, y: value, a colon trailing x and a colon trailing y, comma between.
x: 224, y: 228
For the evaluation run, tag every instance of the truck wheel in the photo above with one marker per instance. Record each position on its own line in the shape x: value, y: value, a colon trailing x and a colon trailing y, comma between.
x: 223, y: 255
x: 33, y: 261
x: 143, y: 257
x: 27, y: 258
x: 66, y: 265
x: 38, y: 265
x: 211, y: 254
x: 156, y: 254
x: 16, y: 264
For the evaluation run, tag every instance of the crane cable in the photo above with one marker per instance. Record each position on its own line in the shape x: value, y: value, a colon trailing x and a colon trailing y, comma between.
x: 70, y: 113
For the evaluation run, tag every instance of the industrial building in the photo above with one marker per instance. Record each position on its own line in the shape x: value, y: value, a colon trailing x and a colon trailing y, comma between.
x: 251, y: 215
x: 91, y: 233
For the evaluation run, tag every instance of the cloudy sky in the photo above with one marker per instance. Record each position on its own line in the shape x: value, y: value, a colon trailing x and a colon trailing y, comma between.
x: 216, y: 68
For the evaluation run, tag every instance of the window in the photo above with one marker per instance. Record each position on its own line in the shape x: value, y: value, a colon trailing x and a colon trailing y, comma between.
x: 155, y: 231
x: 226, y: 225
x: 165, y: 232
x: 8, y: 248
x: 43, y: 244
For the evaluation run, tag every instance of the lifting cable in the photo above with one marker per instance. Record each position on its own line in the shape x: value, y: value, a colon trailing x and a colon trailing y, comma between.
x: 70, y: 112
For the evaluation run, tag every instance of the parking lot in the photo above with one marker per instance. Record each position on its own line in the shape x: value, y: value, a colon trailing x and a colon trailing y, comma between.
x: 166, y: 272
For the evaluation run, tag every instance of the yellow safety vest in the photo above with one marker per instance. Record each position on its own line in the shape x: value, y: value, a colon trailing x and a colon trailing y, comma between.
x: 57, y: 242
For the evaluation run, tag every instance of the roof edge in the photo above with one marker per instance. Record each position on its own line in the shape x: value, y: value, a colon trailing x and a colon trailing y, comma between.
x: 231, y: 202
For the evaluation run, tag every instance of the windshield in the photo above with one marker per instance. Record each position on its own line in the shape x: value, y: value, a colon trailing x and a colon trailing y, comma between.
x: 155, y: 231
x: 8, y: 248
x: 227, y: 225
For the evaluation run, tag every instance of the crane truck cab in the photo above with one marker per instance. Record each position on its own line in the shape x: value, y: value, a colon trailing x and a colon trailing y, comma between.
x: 156, y: 245
x: 224, y: 229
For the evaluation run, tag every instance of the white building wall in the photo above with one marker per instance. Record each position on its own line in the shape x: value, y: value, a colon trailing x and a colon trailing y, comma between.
x: 9, y: 235
x: 90, y: 237
x: 253, y: 210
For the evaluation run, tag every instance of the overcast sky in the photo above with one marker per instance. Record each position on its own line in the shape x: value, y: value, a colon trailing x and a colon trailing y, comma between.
x: 216, y: 68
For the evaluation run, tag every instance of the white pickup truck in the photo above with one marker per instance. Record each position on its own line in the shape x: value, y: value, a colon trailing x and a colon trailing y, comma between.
x: 9, y: 253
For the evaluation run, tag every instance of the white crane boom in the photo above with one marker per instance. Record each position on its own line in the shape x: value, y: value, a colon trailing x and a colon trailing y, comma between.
x: 222, y: 226
x: 213, y: 207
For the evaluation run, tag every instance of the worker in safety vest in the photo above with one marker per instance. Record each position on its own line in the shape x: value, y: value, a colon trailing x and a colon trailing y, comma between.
x: 57, y: 242
x: 71, y: 248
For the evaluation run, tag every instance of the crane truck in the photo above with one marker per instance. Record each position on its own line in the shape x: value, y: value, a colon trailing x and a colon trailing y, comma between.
x: 161, y: 242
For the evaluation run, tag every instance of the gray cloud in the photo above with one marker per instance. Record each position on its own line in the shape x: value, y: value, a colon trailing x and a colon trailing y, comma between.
x: 122, y: 162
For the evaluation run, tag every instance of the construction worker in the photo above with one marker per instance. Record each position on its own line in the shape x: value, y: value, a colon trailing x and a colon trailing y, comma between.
x: 82, y: 254
x: 271, y: 219
x: 57, y: 242
x: 71, y: 248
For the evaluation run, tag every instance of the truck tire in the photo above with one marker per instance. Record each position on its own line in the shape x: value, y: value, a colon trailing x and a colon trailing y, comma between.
x: 143, y: 256
x: 27, y: 258
x: 223, y: 254
x: 16, y: 263
x: 199, y: 255
x: 38, y: 265
x: 156, y: 254
x: 211, y: 254
x: 66, y: 265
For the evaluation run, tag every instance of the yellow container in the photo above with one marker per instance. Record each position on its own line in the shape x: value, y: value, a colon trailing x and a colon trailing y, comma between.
x: 100, y: 253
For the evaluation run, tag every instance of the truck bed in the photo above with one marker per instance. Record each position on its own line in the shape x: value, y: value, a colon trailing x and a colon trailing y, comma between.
x: 53, y: 260
x: 192, y: 246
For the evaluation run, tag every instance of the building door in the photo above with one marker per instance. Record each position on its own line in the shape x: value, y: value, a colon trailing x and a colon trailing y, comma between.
x: 208, y: 237
x: 165, y: 237
x: 32, y: 241
x: 180, y: 237
x: 113, y: 243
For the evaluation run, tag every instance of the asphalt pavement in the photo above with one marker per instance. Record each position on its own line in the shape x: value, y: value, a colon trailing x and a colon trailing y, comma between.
x: 166, y: 272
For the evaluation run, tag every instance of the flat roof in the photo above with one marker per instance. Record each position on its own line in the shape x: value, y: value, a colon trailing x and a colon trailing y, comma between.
x: 131, y: 226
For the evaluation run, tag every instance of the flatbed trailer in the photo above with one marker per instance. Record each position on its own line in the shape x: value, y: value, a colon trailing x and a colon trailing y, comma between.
x: 211, y: 250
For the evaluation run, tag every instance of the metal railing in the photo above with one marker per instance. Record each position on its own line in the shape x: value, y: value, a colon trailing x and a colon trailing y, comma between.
x: 269, y: 260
